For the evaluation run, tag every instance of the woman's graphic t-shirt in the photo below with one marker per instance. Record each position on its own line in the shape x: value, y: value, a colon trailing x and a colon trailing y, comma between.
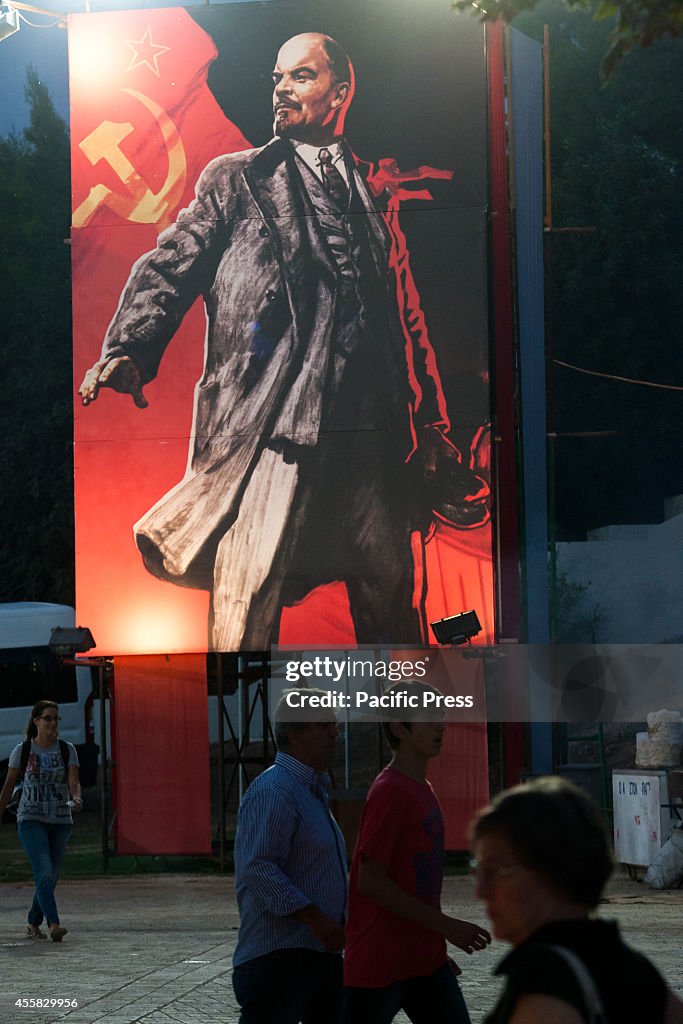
x: 45, y: 791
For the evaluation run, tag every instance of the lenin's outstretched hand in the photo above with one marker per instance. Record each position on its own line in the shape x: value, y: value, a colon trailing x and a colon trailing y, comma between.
x: 121, y: 374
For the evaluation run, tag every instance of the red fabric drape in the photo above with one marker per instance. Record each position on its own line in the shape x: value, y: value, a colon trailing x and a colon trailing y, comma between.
x: 460, y: 776
x: 161, y: 753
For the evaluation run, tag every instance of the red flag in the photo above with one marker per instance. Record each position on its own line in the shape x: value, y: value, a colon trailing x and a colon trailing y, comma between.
x: 144, y: 124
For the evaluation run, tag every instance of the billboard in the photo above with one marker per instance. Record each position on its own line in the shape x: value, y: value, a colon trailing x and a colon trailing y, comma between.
x: 281, y: 353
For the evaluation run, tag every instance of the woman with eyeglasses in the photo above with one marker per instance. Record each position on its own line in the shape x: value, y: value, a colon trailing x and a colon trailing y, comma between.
x: 51, y: 791
x: 543, y: 858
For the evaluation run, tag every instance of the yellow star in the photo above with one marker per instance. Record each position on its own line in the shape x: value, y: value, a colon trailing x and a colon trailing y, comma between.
x: 145, y: 52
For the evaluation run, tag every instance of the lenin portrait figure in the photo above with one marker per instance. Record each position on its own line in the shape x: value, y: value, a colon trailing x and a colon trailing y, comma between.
x: 320, y: 442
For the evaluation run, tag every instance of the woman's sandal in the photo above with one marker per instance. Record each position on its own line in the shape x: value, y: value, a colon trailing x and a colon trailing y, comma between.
x: 33, y: 931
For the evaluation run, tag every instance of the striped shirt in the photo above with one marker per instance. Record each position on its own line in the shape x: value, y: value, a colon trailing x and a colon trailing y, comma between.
x: 289, y: 853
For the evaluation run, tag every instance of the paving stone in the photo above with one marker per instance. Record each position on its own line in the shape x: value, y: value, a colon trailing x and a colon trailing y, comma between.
x: 158, y: 949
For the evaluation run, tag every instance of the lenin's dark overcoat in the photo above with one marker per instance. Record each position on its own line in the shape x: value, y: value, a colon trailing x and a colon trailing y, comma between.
x: 249, y: 246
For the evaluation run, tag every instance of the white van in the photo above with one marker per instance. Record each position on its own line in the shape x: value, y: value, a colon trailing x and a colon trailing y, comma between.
x: 30, y: 672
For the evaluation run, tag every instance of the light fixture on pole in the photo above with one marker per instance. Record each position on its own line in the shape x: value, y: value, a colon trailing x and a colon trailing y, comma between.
x: 11, y: 17
x: 68, y: 641
x: 9, y: 21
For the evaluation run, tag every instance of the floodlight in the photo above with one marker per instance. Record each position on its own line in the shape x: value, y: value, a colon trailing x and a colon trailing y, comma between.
x: 9, y: 21
x: 65, y: 642
x: 456, y: 629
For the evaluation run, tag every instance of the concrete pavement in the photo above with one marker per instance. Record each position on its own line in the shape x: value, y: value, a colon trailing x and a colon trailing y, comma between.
x: 157, y: 949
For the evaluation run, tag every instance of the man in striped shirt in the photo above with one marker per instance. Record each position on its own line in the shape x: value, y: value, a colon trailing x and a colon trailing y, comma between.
x: 291, y: 879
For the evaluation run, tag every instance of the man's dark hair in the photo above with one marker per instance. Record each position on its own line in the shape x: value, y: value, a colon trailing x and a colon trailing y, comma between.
x: 556, y: 830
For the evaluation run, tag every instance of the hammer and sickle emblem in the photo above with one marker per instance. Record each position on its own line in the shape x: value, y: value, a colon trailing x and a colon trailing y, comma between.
x: 142, y: 206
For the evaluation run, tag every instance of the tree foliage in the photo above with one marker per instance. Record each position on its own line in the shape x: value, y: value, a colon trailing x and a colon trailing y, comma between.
x: 576, y: 619
x: 635, y: 22
x: 36, y: 498
x: 613, y: 297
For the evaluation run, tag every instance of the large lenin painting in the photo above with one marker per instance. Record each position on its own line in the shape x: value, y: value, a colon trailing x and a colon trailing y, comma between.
x: 280, y: 319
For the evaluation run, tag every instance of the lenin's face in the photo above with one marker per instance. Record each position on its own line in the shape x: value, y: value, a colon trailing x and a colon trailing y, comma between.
x: 306, y: 97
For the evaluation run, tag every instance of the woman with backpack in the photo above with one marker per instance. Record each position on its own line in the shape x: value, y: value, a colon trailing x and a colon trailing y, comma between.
x: 48, y: 768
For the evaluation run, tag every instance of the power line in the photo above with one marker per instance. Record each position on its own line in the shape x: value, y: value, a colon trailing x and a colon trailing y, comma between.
x: 624, y: 380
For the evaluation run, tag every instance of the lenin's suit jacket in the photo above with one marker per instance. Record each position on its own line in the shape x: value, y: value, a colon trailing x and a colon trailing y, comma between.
x: 249, y: 246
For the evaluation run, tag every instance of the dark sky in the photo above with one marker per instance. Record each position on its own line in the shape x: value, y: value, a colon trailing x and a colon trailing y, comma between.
x: 45, y: 49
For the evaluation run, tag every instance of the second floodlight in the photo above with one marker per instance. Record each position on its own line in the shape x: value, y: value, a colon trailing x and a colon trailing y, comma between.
x: 456, y: 629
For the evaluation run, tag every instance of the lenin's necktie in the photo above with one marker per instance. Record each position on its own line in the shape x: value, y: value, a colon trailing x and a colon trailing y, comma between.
x: 335, y: 186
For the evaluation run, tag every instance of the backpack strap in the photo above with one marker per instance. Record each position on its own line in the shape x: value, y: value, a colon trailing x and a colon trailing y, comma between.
x: 591, y: 998
x: 26, y: 752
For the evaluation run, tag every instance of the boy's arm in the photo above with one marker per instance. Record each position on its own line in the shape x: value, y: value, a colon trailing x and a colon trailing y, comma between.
x: 328, y: 932
x: 375, y: 883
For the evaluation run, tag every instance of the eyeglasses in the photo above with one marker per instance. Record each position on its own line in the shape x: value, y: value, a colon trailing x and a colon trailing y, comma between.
x: 495, y: 871
x: 49, y: 718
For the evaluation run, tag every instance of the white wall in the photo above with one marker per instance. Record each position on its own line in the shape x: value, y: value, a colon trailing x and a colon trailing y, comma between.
x: 635, y: 573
